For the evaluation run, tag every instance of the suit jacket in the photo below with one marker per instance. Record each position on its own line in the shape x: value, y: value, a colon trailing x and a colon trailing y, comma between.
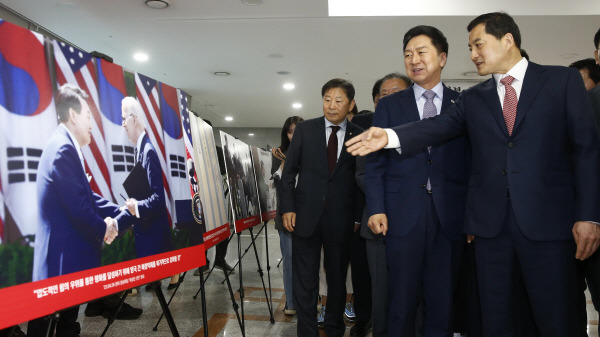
x: 595, y: 97
x: 548, y: 166
x: 396, y: 184
x: 152, y: 231
x: 71, y: 226
x: 317, y: 191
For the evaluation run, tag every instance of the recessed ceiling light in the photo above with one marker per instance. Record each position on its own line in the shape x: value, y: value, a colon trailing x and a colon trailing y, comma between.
x: 296, y: 105
x: 140, y: 57
x: 250, y: 134
x: 283, y: 72
x: 157, y: 4
x: 228, y: 118
x: 222, y: 73
x: 275, y: 56
x: 471, y: 73
x: 252, y: 2
x: 288, y: 86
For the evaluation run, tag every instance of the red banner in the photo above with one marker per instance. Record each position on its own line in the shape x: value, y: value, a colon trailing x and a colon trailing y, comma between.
x: 31, y: 300
x: 266, y: 216
x: 246, y: 223
x: 216, y: 235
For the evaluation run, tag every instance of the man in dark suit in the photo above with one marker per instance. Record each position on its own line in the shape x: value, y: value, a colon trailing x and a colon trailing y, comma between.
x: 421, y: 197
x: 73, y: 220
x: 374, y: 243
x: 534, y: 183
x: 152, y: 230
x: 319, y: 209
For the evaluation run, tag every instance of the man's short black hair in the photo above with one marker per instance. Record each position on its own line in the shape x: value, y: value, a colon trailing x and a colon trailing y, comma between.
x: 376, y: 87
x: 498, y: 24
x: 399, y: 76
x: 343, y: 84
x: 68, y: 97
x: 597, y: 39
x: 591, y: 66
x: 437, y: 37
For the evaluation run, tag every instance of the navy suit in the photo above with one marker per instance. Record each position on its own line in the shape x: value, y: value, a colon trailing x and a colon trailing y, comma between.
x: 71, y: 229
x: 324, y: 207
x: 525, y: 192
x: 423, y: 242
x: 152, y: 231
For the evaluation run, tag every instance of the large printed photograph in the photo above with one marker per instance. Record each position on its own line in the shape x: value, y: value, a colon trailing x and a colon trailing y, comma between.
x: 262, y: 161
x: 92, y: 173
x: 241, y: 181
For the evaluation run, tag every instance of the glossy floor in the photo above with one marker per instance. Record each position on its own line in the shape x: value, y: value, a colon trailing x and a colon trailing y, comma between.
x: 222, y: 321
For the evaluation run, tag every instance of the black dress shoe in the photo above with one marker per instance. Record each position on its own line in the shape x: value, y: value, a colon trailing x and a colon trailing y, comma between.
x: 221, y: 264
x: 127, y: 312
x: 174, y: 285
x: 94, y: 308
x: 360, y: 329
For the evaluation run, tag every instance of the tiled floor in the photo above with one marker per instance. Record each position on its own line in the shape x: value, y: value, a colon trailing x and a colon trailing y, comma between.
x: 187, y: 311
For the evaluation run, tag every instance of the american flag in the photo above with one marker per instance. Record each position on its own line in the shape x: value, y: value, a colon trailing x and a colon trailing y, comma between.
x: 77, y: 67
x: 187, y: 131
x: 147, y: 94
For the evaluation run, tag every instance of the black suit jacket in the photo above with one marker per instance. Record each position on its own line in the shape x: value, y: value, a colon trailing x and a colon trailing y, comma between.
x: 317, y: 191
x: 549, y: 164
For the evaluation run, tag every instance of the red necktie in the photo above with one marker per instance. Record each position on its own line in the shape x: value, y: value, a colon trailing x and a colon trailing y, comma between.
x: 509, y: 110
x: 332, y: 148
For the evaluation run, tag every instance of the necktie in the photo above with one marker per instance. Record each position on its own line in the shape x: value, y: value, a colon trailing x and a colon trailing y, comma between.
x: 429, y: 111
x: 332, y: 148
x: 509, y: 109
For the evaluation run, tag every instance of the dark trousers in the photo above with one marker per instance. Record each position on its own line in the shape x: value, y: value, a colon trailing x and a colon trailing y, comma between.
x: 306, y: 258
x: 67, y: 325
x: 379, y: 286
x: 361, y: 281
x: 423, y: 266
x: 512, y: 269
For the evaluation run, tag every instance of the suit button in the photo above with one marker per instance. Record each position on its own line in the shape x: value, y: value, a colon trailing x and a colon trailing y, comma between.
x: 429, y: 161
x: 510, y: 144
x: 503, y: 172
x: 423, y: 185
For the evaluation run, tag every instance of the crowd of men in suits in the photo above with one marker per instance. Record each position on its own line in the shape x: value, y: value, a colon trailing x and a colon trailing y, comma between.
x: 482, y: 207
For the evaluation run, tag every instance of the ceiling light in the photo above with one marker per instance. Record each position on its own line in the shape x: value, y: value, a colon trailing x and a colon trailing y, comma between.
x: 157, y: 4
x: 250, y: 134
x: 140, y: 57
x: 283, y: 72
x: 288, y: 86
x: 252, y: 2
x: 221, y: 73
x: 569, y: 56
x: 296, y: 105
x: 228, y: 118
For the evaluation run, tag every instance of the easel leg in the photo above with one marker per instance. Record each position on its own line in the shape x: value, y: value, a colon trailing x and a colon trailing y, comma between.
x: 112, y: 317
x: 170, y: 299
x: 260, y: 272
x: 243, y: 326
x: 165, y: 308
x: 269, y: 272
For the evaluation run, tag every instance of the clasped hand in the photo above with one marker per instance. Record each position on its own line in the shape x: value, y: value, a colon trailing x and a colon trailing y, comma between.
x: 111, y: 230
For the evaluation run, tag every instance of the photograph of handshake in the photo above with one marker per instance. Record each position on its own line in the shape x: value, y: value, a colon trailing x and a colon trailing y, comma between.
x: 111, y: 230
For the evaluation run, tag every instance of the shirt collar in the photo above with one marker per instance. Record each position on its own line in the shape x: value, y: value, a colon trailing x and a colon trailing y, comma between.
x: 75, y: 143
x: 419, y: 90
x: 342, y: 124
x: 139, y: 141
x: 517, y: 71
